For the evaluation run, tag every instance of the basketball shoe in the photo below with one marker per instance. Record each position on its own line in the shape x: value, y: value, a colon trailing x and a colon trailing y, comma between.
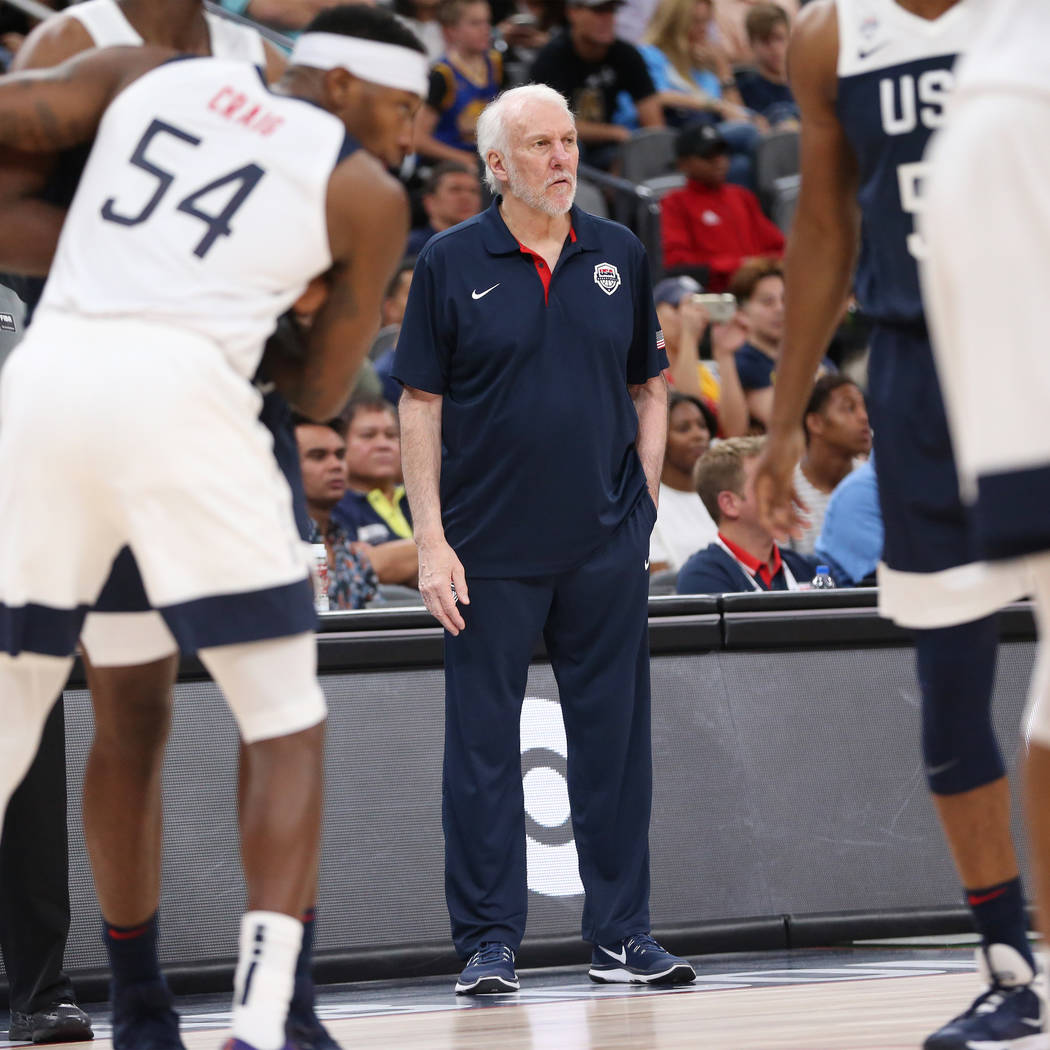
x: 489, y: 972
x: 1010, y: 1015
x: 638, y: 960
x: 144, y: 1017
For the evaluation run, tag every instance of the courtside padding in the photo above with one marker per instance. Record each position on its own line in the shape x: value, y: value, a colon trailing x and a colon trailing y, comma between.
x: 789, y: 803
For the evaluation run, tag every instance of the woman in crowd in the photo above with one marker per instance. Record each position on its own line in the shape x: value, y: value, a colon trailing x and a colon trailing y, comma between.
x: 682, y: 526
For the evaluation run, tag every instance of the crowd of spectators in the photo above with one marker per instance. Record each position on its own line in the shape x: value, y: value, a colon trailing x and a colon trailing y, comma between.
x: 714, y: 72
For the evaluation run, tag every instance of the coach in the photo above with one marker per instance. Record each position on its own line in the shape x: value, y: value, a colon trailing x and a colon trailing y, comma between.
x: 533, y: 422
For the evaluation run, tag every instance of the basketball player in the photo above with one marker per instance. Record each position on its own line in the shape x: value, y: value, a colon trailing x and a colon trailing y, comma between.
x: 993, y: 151
x: 872, y: 78
x: 122, y: 764
x: 170, y: 459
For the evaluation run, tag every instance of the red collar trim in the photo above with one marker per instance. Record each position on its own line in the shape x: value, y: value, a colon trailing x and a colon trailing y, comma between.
x: 542, y: 268
x: 766, y: 571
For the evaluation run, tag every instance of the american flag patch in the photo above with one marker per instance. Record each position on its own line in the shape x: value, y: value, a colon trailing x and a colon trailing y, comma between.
x: 659, y: 339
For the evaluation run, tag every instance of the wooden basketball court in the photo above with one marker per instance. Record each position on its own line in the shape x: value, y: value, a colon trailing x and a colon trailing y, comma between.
x: 808, y: 1000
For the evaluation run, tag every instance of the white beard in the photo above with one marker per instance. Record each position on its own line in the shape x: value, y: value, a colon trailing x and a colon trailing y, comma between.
x: 537, y: 198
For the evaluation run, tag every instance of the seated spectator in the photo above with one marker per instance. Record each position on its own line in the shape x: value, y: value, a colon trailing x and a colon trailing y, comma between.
x: 709, y: 224
x: 850, y: 541
x: 765, y: 89
x: 744, y: 555
x: 391, y: 313
x: 694, y: 83
x: 462, y: 82
x: 374, y: 510
x: 682, y: 522
x: 759, y: 289
x: 451, y: 196
x: 684, y: 323
x: 837, y: 432
x: 590, y: 67
x: 352, y: 581
x: 730, y: 21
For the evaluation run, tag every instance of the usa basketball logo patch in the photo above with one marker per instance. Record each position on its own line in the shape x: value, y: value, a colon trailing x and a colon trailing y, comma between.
x: 607, y: 277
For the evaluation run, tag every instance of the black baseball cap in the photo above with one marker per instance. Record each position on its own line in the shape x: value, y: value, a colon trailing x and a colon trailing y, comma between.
x: 700, y: 140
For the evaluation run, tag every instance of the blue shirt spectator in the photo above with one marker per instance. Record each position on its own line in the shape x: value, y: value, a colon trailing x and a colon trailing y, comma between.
x: 850, y: 543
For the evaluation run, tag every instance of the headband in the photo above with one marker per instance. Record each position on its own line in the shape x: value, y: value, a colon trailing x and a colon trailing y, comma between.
x: 390, y: 65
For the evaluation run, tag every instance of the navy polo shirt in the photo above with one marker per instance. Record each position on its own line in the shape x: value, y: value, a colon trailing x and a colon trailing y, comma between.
x: 538, y: 461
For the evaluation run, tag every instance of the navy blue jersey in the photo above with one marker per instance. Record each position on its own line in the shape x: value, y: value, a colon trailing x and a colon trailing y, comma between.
x: 895, y: 77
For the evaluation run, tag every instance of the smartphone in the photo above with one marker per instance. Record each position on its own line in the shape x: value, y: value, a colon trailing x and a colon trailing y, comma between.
x: 720, y: 307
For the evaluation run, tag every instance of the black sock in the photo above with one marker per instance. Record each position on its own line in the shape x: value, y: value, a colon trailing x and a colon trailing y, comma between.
x: 999, y: 914
x: 132, y: 952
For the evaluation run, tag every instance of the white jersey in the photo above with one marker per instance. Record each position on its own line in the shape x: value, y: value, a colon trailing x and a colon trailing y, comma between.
x: 108, y: 26
x: 202, y: 206
x: 1011, y: 50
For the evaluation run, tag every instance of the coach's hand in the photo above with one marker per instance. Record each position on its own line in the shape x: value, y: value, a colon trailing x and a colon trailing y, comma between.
x: 442, y: 583
x: 779, y: 508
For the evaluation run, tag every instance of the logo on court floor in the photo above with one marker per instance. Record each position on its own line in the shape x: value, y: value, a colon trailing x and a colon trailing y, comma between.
x: 550, y: 852
x: 607, y: 277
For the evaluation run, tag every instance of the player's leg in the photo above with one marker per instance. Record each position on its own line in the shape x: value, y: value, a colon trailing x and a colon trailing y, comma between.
x: 483, y: 805
x: 272, y: 690
x: 597, y: 639
x: 34, y: 898
x: 1037, y: 766
x: 930, y: 580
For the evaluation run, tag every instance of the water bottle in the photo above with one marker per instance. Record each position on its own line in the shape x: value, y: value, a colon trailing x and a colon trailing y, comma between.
x: 822, y: 581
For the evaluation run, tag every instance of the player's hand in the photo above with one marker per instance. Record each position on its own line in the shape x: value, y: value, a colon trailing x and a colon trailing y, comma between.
x: 442, y: 583
x: 779, y: 508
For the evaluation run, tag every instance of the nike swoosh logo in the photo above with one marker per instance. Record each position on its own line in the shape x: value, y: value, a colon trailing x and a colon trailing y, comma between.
x: 1033, y: 1024
x: 872, y: 50
x: 932, y: 771
x: 983, y: 898
x: 621, y: 958
x: 647, y: 564
x: 481, y: 295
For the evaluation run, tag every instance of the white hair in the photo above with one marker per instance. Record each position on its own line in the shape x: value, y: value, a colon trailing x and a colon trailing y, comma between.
x: 493, y: 131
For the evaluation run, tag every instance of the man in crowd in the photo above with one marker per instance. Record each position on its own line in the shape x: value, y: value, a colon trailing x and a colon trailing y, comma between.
x: 837, y: 433
x: 710, y: 225
x: 374, y: 511
x: 534, y: 521
x: 352, y: 581
x: 765, y: 88
x: 590, y: 67
x: 451, y: 195
x: 744, y: 555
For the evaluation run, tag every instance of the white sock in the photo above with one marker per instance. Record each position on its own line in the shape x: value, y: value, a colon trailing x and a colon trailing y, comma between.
x: 262, y: 985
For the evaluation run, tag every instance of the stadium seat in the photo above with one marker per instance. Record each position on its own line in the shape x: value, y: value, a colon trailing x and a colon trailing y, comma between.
x: 648, y: 153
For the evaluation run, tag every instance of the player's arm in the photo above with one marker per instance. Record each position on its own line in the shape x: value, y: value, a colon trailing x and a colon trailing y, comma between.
x: 47, y: 110
x: 29, y: 227
x: 367, y: 226
x: 820, y: 256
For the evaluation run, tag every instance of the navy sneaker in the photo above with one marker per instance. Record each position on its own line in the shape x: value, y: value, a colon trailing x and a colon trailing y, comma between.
x: 144, y: 1017
x: 303, y: 1029
x: 61, y: 1022
x: 638, y: 960
x: 1010, y: 1015
x: 489, y: 972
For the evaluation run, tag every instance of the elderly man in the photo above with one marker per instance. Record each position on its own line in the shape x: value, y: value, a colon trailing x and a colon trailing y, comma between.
x: 530, y: 352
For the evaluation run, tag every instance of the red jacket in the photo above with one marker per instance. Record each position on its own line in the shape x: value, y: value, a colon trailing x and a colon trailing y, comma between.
x: 717, y: 228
